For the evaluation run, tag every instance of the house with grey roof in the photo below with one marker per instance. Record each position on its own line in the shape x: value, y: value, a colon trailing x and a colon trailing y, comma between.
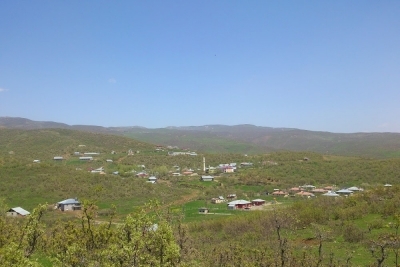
x: 355, y: 189
x: 17, y: 212
x: 152, y: 179
x: 344, y: 192
x: 331, y: 194
x: 204, y: 210
x: 207, y: 178
x: 69, y: 204
x: 217, y: 200
x: 239, y: 204
x: 98, y: 170
x: 85, y: 158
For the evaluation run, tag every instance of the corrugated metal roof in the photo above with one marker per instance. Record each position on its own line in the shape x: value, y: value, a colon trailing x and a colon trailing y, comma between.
x: 69, y: 201
x: 331, y: 194
x: 21, y: 211
x: 239, y: 202
x: 354, y: 188
x: 344, y: 191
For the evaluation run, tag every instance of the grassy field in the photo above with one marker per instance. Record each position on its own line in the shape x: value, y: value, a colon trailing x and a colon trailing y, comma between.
x: 350, y: 225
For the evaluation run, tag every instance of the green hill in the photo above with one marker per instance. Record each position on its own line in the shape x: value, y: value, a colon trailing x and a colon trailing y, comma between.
x: 254, y: 139
x: 44, y: 144
x: 245, y: 139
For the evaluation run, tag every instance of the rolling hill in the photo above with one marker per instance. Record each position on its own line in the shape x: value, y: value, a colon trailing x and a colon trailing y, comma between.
x: 247, y: 139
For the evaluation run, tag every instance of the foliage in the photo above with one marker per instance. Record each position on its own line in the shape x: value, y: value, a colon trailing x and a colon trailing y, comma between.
x: 117, y: 228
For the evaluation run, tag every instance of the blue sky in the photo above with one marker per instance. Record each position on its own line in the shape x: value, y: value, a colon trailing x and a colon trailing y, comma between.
x: 315, y: 65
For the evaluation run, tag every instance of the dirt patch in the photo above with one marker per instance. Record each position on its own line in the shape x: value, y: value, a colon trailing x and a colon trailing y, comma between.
x: 310, y: 241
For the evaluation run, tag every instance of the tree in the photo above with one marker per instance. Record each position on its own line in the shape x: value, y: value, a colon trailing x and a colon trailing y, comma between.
x: 138, y: 241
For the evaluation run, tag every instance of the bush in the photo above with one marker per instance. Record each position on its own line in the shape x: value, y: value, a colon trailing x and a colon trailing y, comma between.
x: 376, y: 224
x: 352, y: 234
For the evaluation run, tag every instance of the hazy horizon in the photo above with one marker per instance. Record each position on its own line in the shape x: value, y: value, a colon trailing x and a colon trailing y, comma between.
x: 184, y: 126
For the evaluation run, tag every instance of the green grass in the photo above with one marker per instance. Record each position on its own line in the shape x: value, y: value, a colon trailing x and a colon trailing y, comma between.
x: 43, y: 260
x: 25, y: 184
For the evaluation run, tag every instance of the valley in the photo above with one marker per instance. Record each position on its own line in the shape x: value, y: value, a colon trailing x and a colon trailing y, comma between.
x: 200, y: 218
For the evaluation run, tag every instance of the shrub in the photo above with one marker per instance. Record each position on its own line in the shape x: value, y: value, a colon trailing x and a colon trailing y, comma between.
x: 352, y: 234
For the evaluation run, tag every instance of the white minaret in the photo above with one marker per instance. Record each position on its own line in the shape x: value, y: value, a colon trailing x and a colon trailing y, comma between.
x: 204, y: 164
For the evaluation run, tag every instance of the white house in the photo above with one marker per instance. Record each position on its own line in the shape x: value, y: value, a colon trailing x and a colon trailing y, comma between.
x: 217, y: 200
x: 69, y: 204
x: 18, y: 211
x: 207, y: 178
x: 331, y: 194
x: 86, y: 158
x: 355, y: 189
x: 239, y: 204
x: 344, y: 192
x: 204, y: 210
x: 152, y: 179
x: 98, y: 170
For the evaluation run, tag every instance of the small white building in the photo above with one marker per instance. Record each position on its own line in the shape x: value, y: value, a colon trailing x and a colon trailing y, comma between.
x: 98, y: 170
x: 344, y: 192
x: 207, y: 178
x: 204, y: 210
x: 355, y: 189
x: 58, y: 158
x: 86, y: 158
x: 331, y: 194
x: 18, y: 211
x: 36, y: 161
x: 217, y: 200
x: 69, y: 204
x: 152, y: 179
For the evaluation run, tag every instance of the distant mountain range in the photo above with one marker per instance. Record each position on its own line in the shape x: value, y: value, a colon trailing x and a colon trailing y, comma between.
x: 241, y: 138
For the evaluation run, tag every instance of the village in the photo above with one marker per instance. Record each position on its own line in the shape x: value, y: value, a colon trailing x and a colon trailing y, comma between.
x: 210, y: 175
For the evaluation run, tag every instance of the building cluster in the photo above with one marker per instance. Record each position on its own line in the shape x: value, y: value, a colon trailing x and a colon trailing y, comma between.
x: 312, y: 191
x: 239, y: 204
x: 70, y: 204
x: 174, y: 153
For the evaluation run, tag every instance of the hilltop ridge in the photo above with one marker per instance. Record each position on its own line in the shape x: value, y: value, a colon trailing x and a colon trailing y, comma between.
x: 244, y: 138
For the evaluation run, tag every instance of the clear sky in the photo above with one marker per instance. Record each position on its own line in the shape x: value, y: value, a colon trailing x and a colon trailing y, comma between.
x: 315, y: 65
